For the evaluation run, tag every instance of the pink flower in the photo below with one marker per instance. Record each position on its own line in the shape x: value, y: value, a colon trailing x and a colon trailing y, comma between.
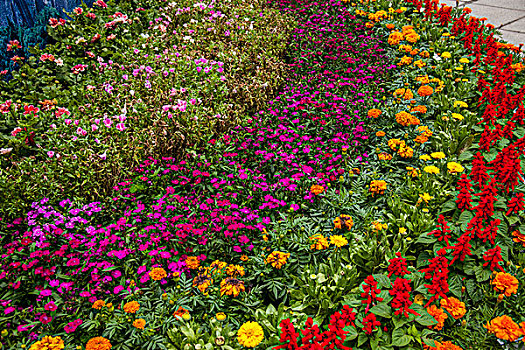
x: 50, y: 306
x: 45, y: 293
x: 108, y: 122
x: 9, y: 310
x: 121, y: 127
x: 50, y: 154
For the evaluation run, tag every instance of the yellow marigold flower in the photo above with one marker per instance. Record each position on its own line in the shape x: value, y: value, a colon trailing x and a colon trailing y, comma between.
x: 406, y: 152
x: 48, y: 343
x: 394, y: 38
x: 425, y: 90
x: 413, y: 37
x: 454, y: 307
x: 457, y: 116
x: 425, y: 157
x: 518, y: 237
x: 431, y: 169
x: 454, y: 168
x: 394, y: 144
x: 374, y: 113
x: 460, y: 104
x: 99, y: 304
x: 505, y: 283
x: 235, y: 270
x: 220, y: 316
x: 320, y: 242
x: 446, y: 54
x: 437, y: 155
x: 503, y: 327
x: 377, y: 187
x: 464, y: 60
x: 380, y: 133
x: 250, y: 334
x: 157, y: 273
x: 384, y: 156
x: 423, y: 79
x: 277, y: 259
x: 378, y: 226
x: 406, y: 60
x: 131, y: 307
x: 338, y: 240
x: 139, y: 323
x: 403, y: 93
x: 418, y: 63
x: 192, y: 262
x: 317, y: 189
x: 232, y: 286
x: 425, y: 197
x: 98, y: 343
x: 219, y: 265
x: 439, y: 315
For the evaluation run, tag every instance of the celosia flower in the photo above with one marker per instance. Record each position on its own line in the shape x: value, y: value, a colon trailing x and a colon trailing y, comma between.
x: 250, y: 334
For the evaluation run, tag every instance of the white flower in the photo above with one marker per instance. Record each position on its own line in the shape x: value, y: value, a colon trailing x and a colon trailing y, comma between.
x: 59, y: 62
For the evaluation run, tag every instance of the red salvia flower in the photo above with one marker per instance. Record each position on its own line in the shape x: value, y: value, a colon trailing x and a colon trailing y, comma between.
x: 370, y: 323
x: 515, y: 204
x: 493, y: 257
x: 370, y: 292
x: 401, y: 292
x: 397, y: 266
x: 288, y: 336
x: 464, y: 196
x: 462, y: 248
x: 437, y: 272
x: 442, y: 230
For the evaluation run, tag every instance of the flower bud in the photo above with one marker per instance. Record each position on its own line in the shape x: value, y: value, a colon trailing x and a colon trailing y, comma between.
x: 220, y: 340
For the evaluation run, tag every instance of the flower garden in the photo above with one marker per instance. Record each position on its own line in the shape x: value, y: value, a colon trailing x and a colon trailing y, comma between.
x: 280, y: 174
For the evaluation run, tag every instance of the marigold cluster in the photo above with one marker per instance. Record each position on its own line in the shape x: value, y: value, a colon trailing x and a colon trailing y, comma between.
x: 48, y: 343
x: 277, y: 259
x: 503, y: 327
x: 377, y: 187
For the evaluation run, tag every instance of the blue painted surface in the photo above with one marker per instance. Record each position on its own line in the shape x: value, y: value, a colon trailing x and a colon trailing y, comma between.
x: 24, y: 12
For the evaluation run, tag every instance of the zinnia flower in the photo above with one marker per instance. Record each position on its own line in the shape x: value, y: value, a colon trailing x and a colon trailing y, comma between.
x: 505, y: 283
x: 250, y: 334
x: 98, y: 343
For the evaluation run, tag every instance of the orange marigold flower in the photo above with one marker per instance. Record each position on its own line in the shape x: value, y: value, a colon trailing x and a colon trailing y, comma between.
x: 377, y: 187
x: 404, y: 118
x: 343, y: 221
x: 446, y: 345
x: 99, y: 304
x: 180, y: 312
x: 420, y: 109
x: 384, y: 156
x: 380, y: 133
x: 374, y: 113
x: 425, y: 90
x: 395, y: 37
x: 406, y: 152
x: 48, y: 342
x: 277, y: 259
x: 131, y: 307
x: 518, y: 237
x: 235, y: 270
x: 202, y: 281
x: 504, y: 328
x: 232, y: 286
x: 439, y: 315
x: 317, y: 189
x: 157, y: 273
x: 390, y: 26
x: 192, y: 262
x: 394, y: 144
x: 505, y: 283
x: 98, y: 343
x: 139, y: 323
x: 406, y: 94
x: 413, y: 172
x: 454, y: 307
x: 320, y: 242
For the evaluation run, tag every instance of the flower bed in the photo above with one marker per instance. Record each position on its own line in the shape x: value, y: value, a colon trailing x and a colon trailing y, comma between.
x: 376, y: 203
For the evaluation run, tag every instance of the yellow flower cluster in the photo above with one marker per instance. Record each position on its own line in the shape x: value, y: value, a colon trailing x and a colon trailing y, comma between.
x: 406, y: 119
x: 378, y: 226
x: 250, y: 334
x: 48, y: 343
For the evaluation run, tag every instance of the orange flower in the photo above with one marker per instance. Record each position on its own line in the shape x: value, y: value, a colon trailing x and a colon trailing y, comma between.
x: 99, y: 304
x: 374, y: 113
x: 345, y: 220
x: 420, y: 109
x: 139, y: 323
x: 235, y: 270
x: 454, y: 307
x: 98, y: 343
x: 157, y: 273
x: 404, y: 118
x: 518, y: 237
x: 439, y: 315
x: 131, y: 307
x: 505, y: 283
x: 384, y: 156
x: 192, y: 262
x: 406, y: 152
x: 377, y: 187
x: 320, y: 242
x: 425, y: 90
x: 446, y: 345
x: 406, y: 94
x: 390, y: 26
x: 317, y: 189
x: 180, y: 312
x: 504, y: 328
x: 277, y: 259
x: 380, y: 134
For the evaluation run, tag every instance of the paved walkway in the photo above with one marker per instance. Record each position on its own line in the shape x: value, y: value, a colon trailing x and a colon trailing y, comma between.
x: 508, y: 16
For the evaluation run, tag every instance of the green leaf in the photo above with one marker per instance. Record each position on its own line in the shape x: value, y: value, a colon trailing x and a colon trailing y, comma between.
x: 399, y: 338
x: 352, y: 332
x: 382, y: 309
x: 425, y: 319
x: 383, y: 280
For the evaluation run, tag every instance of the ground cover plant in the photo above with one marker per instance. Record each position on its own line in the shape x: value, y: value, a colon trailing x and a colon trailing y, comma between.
x: 376, y: 203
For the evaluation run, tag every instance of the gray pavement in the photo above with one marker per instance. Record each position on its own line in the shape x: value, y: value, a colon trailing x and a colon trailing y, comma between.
x: 508, y: 16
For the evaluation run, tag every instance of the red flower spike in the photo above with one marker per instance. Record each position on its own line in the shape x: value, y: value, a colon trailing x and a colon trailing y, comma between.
x: 515, y: 204
x: 493, y: 257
